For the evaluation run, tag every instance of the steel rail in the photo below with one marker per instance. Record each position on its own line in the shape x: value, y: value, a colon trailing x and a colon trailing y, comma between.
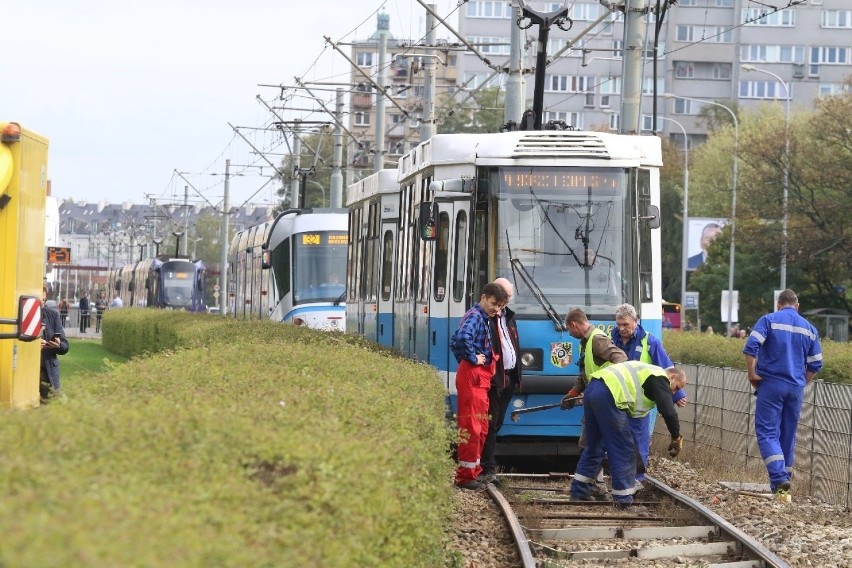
x: 521, y: 540
x: 754, y: 546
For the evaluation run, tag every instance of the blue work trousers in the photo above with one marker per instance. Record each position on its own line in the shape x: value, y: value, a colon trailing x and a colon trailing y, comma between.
x: 642, y: 438
x: 607, y: 431
x: 776, y: 419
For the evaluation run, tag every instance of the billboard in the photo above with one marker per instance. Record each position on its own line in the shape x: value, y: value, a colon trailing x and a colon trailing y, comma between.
x: 702, y: 232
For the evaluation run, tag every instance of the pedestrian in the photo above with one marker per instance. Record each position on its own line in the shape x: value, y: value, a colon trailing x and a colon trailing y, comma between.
x: 53, y: 343
x: 603, y: 353
x: 84, y: 312
x: 116, y: 301
x: 472, y: 347
x: 613, y: 394
x: 63, y: 311
x: 639, y: 345
x: 100, y: 306
x: 506, y: 379
x: 783, y: 354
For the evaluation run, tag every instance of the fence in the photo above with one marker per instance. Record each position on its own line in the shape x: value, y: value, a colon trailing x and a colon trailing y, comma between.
x: 720, y: 415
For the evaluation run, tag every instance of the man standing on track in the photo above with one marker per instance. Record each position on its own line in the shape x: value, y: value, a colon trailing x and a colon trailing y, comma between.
x: 504, y: 338
x: 472, y: 347
x: 613, y: 394
x: 783, y: 354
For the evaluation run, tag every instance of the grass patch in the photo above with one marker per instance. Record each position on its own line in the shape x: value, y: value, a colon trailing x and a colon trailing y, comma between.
x: 86, y: 357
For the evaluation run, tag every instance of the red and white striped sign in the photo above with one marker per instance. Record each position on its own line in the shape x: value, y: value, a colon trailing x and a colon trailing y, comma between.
x: 30, y: 317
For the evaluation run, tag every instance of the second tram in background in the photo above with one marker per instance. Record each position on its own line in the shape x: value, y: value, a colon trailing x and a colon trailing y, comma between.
x: 567, y: 216
x: 291, y: 270
x: 168, y: 283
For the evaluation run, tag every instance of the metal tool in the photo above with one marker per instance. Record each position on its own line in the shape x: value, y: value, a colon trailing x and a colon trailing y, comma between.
x: 516, y: 413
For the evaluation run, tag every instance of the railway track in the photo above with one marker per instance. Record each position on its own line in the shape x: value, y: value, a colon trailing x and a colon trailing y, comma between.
x: 662, y: 528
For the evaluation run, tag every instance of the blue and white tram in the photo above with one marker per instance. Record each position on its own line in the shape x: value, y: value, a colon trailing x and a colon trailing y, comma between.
x: 568, y: 216
x: 168, y: 283
x: 292, y: 269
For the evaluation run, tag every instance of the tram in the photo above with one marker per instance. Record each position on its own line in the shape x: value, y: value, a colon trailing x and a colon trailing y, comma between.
x: 568, y: 216
x: 291, y: 269
x: 167, y: 283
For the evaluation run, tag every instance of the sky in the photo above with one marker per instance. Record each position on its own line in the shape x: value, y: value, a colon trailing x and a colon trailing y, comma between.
x: 129, y: 92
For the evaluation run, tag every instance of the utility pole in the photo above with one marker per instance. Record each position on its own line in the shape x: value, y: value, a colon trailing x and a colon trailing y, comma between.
x: 224, y: 244
x: 185, y: 218
x: 296, y: 166
x: 631, y: 93
x: 427, y: 123
x: 337, y: 155
x: 379, y: 156
x: 513, y: 106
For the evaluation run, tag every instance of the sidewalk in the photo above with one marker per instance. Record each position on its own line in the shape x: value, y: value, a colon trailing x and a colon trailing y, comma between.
x: 74, y: 331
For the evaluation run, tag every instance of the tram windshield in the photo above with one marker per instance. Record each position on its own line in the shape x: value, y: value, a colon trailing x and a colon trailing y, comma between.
x: 319, y: 266
x: 178, y: 282
x: 563, y: 236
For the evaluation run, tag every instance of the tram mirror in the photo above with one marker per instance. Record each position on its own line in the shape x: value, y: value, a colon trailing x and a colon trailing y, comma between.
x: 652, y: 216
x: 265, y: 262
x: 118, y: 284
x: 428, y: 221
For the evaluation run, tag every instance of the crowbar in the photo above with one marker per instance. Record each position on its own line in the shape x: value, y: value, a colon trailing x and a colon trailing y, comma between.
x: 516, y: 413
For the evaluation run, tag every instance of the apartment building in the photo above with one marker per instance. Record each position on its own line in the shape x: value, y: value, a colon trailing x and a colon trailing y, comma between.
x: 703, y: 46
x: 405, y: 73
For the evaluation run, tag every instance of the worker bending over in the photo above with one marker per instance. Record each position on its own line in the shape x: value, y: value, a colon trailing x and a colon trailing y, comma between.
x: 614, y: 394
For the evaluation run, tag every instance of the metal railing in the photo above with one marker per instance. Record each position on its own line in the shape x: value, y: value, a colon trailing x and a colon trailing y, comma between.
x: 720, y: 415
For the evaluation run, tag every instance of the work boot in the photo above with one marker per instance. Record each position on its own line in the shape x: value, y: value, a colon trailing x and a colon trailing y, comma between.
x: 782, y: 492
x: 487, y: 477
x: 471, y: 484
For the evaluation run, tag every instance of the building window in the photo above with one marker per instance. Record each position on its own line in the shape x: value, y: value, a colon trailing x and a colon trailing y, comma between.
x: 830, y: 55
x: 648, y: 86
x: 721, y: 70
x: 762, y: 90
x: 763, y: 17
x: 364, y: 59
x: 710, y: 34
x: 682, y: 106
x: 648, y: 123
x: 490, y: 45
x: 362, y: 119
x: 831, y: 89
x: 584, y: 12
x: 569, y: 83
x: 772, y: 54
x: 613, y: 121
x: 684, y: 70
x: 489, y: 9
x: 837, y: 19
x: 574, y: 119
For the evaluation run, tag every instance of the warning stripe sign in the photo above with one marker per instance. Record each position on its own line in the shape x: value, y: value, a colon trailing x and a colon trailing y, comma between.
x: 31, y: 317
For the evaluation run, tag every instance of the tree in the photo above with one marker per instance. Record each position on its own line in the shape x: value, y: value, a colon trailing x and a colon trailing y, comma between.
x: 316, y: 152
x: 205, y: 241
x: 483, y: 112
x: 671, y: 210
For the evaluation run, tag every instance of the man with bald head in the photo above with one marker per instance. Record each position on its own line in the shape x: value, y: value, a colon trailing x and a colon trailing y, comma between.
x: 504, y: 338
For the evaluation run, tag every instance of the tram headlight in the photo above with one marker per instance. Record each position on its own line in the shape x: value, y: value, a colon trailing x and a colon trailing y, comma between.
x: 532, y: 359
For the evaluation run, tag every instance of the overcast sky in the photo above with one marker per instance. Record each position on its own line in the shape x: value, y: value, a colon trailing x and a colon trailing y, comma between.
x: 128, y: 91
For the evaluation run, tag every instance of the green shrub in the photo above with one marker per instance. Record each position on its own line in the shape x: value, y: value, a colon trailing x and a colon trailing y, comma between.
x: 719, y: 351
x: 236, y: 444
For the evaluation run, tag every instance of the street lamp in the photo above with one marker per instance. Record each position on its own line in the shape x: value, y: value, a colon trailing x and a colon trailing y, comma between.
x: 157, y: 242
x: 733, y: 198
x: 786, y: 183
x: 684, y: 252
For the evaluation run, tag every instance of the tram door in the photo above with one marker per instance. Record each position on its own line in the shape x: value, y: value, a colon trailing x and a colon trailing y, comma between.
x: 447, y: 294
x: 384, y: 318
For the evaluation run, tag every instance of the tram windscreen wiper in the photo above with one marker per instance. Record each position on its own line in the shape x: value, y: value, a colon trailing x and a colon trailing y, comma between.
x: 539, y: 295
x: 580, y: 263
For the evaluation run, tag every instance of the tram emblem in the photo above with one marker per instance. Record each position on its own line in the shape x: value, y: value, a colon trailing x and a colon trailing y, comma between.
x: 560, y: 354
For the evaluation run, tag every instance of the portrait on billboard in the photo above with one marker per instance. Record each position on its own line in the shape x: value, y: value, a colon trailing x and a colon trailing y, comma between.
x: 702, y: 233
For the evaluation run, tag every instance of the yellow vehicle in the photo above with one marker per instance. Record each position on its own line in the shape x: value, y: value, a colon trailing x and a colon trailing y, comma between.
x: 23, y: 188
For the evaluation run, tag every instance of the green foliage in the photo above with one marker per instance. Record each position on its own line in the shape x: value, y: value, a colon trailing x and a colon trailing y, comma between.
x: 483, y: 112
x: 819, y: 258
x: 720, y: 351
x: 86, y: 357
x: 244, y: 444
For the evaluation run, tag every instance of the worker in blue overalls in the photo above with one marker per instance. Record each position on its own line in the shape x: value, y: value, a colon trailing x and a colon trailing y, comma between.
x: 783, y: 354
x: 613, y: 394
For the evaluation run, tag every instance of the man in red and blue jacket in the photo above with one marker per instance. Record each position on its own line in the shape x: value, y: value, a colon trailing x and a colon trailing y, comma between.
x: 471, y: 345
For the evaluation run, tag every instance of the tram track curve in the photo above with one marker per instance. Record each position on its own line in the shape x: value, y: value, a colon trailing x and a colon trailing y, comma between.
x: 550, y: 530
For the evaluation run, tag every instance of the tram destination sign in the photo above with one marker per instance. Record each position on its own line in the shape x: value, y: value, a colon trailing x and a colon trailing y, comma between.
x: 59, y: 255
x: 514, y: 179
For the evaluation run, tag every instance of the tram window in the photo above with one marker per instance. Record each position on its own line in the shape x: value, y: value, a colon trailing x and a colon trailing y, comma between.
x: 460, y: 256
x: 442, y: 257
x: 387, y: 265
x: 281, y: 261
x: 645, y: 257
